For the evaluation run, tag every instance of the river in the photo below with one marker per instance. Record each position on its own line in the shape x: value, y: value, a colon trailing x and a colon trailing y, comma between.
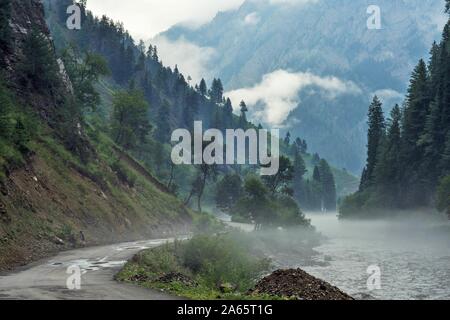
x: 413, y: 257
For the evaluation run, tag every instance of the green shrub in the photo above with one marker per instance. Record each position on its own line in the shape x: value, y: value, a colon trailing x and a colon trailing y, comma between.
x: 353, y: 205
x: 124, y: 174
x: 205, y: 223
x: 17, y: 130
x: 222, y: 260
x: 160, y: 261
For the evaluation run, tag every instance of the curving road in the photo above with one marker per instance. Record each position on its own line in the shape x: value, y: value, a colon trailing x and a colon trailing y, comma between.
x: 47, y: 279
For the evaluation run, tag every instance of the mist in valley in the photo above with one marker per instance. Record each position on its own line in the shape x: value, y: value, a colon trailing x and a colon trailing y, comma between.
x: 412, y: 255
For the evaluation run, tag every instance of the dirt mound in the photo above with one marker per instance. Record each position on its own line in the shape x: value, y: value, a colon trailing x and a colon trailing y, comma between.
x: 297, y: 284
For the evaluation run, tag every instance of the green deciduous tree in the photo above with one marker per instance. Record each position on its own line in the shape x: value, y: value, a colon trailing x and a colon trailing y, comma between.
x: 84, y: 74
x: 228, y: 191
x: 130, y: 124
x: 280, y: 181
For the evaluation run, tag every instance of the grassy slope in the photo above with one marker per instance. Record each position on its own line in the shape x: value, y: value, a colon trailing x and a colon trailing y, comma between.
x: 55, y: 197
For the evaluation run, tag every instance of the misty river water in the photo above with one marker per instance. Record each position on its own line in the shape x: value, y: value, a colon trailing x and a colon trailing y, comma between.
x: 414, y: 257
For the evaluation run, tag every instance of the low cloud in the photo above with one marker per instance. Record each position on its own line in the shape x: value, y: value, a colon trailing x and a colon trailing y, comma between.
x: 252, y: 19
x: 191, y: 59
x: 272, y: 100
x: 147, y: 18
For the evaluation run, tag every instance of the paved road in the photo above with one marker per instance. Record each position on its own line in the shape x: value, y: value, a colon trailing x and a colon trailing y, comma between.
x: 47, y: 279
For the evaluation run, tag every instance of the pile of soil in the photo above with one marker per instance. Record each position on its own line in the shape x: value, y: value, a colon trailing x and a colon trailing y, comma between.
x: 299, y: 285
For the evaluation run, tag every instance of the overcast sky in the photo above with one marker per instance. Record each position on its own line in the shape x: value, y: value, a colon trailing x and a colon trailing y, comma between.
x: 146, y: 18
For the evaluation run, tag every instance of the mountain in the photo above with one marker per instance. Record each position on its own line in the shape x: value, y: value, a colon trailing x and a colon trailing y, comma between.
x: 312, y: 67
x: 63, y: 182
x: 173, y: 100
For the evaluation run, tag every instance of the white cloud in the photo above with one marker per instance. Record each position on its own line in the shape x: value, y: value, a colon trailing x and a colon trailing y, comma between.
x: 277, y: 94
x: 252, y: 19
x: 389, y: 97
x: 146, y: 18
x: 388, y: 94
x: 191, y: 59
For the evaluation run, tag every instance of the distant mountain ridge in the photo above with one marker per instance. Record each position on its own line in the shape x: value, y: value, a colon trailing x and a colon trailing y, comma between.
x: 326, y: 39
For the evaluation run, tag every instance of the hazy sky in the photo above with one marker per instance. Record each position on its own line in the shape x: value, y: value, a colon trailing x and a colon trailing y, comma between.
x: 146, y: 18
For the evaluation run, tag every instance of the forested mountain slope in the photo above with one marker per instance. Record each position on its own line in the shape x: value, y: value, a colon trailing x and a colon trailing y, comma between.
x: 408, y: 158
x: 324, y: 38
x: 63, y: 182
x: 173, y: 100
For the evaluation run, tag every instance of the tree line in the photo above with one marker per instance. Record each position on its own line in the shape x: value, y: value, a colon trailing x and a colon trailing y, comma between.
x: 153, y: 100
x: 408, y: 158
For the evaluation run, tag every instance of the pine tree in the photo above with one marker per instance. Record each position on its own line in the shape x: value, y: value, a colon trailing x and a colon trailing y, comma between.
x: 228, y: 114
x: 287, y: 139
x: 299, y: 173
x: 299, y: 167
x: 155, y: 56
x: 328, y: 186
x: 216, y: 92
x: 412, y: 155
x: 316, y: 174
x: 150, y: 52
x: 434, y: 68
x: 39, y: 66
x: 443, y: 96
x: 243, y: 118
x: 418, y: 101
x: 217, y: 122
x: 162, y: 133
x: 5, y: 16
x: 389, y: 165
x: 445, y: 161
x: 376, y: 133
x: 203, y: 89
x: 431, y: 142
x: 315, y: 159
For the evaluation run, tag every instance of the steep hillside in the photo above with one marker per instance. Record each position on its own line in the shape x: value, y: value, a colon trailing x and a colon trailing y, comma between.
x: 63, y: 182
x: 323, y: 38
x: 174, y: 101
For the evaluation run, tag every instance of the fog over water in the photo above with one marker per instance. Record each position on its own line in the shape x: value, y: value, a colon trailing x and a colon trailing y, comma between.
x: 413, y: 255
